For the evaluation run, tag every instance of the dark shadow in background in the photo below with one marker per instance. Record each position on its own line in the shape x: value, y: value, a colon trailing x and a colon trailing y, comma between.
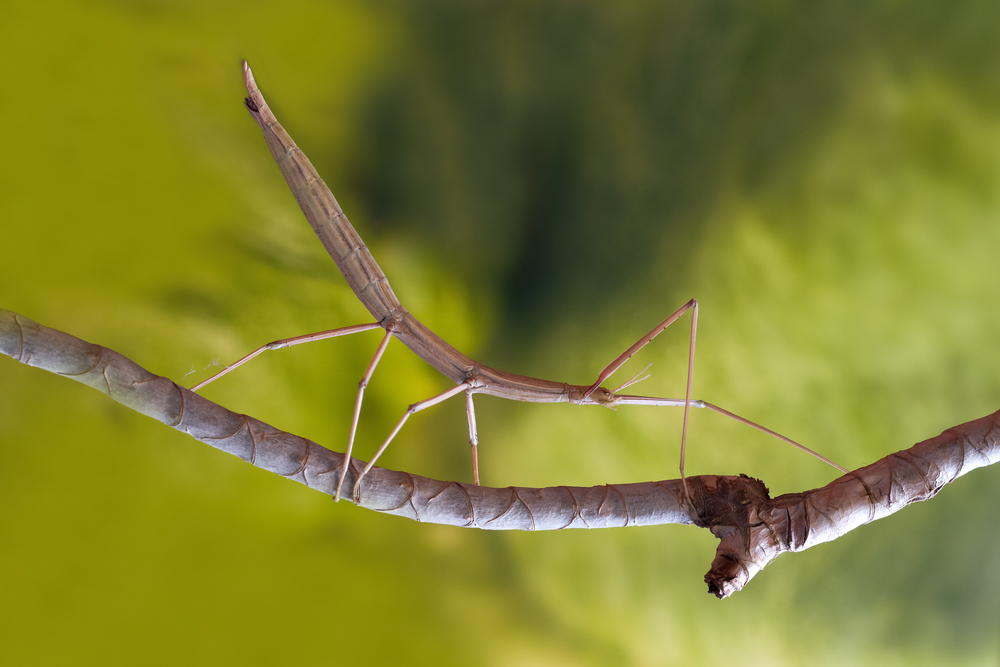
x: 557, y: 150
x: 553, y: 152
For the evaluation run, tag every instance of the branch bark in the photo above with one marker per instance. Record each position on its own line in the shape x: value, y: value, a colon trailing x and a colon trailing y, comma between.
x: 753, y: 528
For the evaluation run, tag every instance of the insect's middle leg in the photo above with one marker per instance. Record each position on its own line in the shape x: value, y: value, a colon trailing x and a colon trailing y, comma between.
x: 416, y: 407
x: 470, y: 412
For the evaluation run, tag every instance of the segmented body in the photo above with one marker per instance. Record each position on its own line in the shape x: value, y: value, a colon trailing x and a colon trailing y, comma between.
x: 371, y: 286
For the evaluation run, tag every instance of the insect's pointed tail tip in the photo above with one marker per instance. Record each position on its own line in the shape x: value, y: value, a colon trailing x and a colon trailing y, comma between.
x: 251, y: 87
x: 248, y: 78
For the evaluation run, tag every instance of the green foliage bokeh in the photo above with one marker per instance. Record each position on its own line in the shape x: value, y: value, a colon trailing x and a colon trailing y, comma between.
x: 542, y: 183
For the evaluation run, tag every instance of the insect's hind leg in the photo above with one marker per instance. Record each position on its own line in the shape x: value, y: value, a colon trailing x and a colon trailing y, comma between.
x: 288, y: 342
x: 744, y: 420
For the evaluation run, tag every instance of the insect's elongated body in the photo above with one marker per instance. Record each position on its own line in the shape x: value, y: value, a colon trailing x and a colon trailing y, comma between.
x: 371, y: 287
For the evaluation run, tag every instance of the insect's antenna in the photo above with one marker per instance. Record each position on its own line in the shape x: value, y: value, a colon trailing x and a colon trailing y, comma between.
x: 636, y: 379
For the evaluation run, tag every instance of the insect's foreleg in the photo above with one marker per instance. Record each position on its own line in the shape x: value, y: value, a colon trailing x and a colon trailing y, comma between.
x: 416, y: 407
x: 288, y: 342
x: 691, y: 305
x: 628, y: 399
x: 687, y: 395
x: 744, y: 420
x: 639, y: 344
x: 357, y: 409
x: 470, y: 411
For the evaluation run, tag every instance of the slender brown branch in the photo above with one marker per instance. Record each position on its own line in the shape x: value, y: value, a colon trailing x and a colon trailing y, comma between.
x: 753, y: 528
x: 317, y: 467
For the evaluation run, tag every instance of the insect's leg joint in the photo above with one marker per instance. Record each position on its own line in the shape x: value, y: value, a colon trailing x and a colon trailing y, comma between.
x: 474, y: 378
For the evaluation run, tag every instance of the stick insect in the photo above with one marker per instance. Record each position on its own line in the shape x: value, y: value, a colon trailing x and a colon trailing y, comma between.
x: 372, y: 288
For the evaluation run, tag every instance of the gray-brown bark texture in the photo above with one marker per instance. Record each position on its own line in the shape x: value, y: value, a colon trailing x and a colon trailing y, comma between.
x: 752, y: 527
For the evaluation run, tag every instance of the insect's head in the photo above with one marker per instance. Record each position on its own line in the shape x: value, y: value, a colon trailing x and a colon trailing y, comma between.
x: 600, y: 395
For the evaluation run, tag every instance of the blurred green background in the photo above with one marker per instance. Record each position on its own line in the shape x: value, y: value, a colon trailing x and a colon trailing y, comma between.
x: 542, y: 182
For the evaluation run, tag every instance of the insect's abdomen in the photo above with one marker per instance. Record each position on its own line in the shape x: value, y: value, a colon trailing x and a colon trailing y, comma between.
x: 334, y: 230
x: 365, y: 276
